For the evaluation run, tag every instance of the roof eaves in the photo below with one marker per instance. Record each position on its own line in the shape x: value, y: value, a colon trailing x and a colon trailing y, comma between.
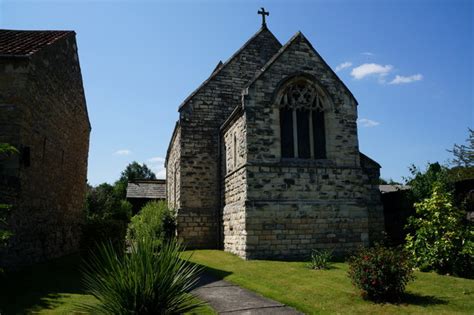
x: 237, y: 112
x: 173, y: 135
x: 219, y: 69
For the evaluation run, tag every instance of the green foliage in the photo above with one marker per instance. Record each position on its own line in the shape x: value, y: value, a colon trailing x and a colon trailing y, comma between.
x: 464, y: 154
x: 142, y: 281
x: 7, y: 149
x: 380, y: 273
x: 107, y: 217
x: 136, y: 171
x: 102, y: 202
x: 441, y: 240
x: 320, y: 259
x: 423, y: 183
x: 154, y: 220
x: 133, y: 171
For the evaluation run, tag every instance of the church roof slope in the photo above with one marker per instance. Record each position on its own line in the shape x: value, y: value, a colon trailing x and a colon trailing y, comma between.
x: 220, y: 66
x: 295, y: 37
x: 25, y: 43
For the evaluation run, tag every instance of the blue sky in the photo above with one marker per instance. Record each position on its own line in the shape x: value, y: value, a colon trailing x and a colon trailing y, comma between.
x: 408, y: 63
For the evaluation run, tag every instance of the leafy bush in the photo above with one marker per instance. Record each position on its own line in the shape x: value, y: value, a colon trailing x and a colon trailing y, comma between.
x: 320, y: 259
x: 441, y: 240
x: 96, y: 231
x: 110, y: 226
x: 380, y: 273
x: 143, y: 281
x: 154, y: 220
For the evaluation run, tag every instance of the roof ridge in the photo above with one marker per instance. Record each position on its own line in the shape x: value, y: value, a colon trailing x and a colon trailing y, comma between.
x: 298, y: 34
x: 224, y: 65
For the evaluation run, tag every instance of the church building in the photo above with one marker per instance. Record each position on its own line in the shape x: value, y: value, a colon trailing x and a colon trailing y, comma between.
x: 264, y: 160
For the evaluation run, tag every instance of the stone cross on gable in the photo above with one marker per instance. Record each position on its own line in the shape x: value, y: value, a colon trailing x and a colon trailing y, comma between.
x: 263, y: 13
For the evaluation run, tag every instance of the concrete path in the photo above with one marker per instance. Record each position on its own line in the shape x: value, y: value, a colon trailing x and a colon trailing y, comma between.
x: 228, y: 298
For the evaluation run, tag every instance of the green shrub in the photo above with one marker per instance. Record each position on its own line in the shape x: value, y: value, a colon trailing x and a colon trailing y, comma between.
x: 441, y: 240
x: 154, y: 220
x: 142, y: 281
x: 96, y: 231
x: 320, y: 259
x: 380, y: 273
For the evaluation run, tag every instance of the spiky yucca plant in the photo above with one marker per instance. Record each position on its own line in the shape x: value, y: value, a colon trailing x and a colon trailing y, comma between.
x: 142, y: 281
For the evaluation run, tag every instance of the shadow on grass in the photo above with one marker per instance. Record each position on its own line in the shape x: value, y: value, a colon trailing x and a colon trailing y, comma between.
x: 421, y: 300
x: 409, y: 298
x: 40, y: 286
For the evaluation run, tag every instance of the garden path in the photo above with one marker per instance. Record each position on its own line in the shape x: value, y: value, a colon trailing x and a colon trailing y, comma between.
x: 227, y: 298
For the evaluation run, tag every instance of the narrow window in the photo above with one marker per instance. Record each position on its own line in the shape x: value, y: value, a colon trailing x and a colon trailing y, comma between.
x: 304, y: 151
x: 286, y: 123
x: 235, y: 150
x: 319, y: 137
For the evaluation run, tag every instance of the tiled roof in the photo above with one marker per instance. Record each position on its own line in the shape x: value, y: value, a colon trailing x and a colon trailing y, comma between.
x: 25, y: 43
x: 147, y: 189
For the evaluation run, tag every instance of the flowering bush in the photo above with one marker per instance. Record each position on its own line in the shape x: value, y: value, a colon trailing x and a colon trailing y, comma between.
x: 380, y: 273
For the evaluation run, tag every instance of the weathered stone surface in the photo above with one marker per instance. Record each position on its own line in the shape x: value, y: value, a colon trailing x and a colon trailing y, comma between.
x: 263, y: 205
x: 43, y: 111
x: 200, y: 118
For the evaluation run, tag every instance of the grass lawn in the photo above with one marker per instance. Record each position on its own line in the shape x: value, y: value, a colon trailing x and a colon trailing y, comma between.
x: 331, y: 292
x: 50, y: 288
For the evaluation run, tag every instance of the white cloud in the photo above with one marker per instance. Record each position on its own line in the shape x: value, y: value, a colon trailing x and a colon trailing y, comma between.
x: 157, y: 165
x: 123, y: 152
x: 157, y: 159
x: 343, y: 65
x: 399, y: 79
x: 368, y: 122
x: 368, y: 69
x: 367, y: 53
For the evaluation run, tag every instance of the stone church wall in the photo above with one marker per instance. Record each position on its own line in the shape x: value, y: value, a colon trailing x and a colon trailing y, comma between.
x: 53, y: 125
x: 296, y: 205
x: 201, y: 116
x: 173, y: 171
x: 235, y: 181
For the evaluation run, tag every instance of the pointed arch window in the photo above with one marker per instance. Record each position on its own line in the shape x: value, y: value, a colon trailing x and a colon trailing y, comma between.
x: 302, y: 125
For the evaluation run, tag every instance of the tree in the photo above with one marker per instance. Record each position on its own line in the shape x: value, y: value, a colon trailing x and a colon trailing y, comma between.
x: 136, y: 171
x: 133, y: 171
x: 423, y: 183
x: 464, y: 154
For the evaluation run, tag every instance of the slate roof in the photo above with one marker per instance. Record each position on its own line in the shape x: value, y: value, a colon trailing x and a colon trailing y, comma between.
x: 26, y: 43
x: 147, y: 189
x: 392, y: 188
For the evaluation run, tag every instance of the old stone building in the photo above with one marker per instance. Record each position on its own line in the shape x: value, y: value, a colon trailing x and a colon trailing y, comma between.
x: 264, y: 159
x: 42, y: 113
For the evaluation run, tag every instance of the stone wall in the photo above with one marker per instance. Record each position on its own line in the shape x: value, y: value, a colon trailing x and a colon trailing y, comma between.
x: 173, y: 175
x: 234, y: 173
x: 201, y: 116
x: 53, y: 126
x: 295, y: 205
